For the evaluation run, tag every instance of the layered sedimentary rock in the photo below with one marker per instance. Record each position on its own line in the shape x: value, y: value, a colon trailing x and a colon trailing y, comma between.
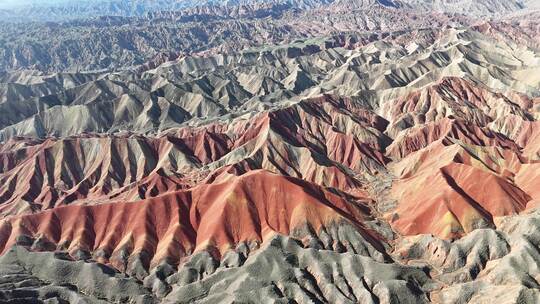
x: 194, y: 26
x: 464, y: 189
x: 393, y: 166
x: 215, y: 217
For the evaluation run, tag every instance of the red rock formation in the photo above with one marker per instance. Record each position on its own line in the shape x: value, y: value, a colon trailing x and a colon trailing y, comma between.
x: 46, y: 173
x: 449, y: 191
x: 446, y: 129
x: 215, y: 216
x: 451, y: 97
x: 317, y: 140
x: 528, y: 179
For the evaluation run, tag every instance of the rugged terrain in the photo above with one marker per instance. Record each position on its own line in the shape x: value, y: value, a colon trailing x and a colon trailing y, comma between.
x: 344, y: 152
x: 115, y: 37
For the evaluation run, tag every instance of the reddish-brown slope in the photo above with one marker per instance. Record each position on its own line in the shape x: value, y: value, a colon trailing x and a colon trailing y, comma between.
x: 493, y: 159
x: 317, y: 139
x: 40, y: 175
x: 528, y: 179
x: 462, y: 149
x: 328, y: 141
x: 450, y: 190
x: 210, y: 216
x: 337, y: 127
x: 452, y: 97
x: 523, y: 29
x: 416, y: 138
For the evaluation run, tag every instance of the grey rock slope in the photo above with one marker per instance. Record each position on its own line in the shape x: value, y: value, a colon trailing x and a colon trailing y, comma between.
x: 121, y: 42
x: 280, y: 272
x: 470, y: 7
x: 486, y: 266
x: 283, y: 271
x: 62, y: 10
x: 498, y: 266
x: 130, y: 33
x: 54, y: 278
x: 198, y: 89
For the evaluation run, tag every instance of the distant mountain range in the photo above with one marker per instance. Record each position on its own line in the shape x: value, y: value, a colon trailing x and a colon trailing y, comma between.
x: 61, y: 10
x: 130, y: 33
x: 70, y: 10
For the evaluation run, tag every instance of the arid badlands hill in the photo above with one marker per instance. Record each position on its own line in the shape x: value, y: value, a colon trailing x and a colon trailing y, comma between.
x: 97, y: 35
x: 391, y: 164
